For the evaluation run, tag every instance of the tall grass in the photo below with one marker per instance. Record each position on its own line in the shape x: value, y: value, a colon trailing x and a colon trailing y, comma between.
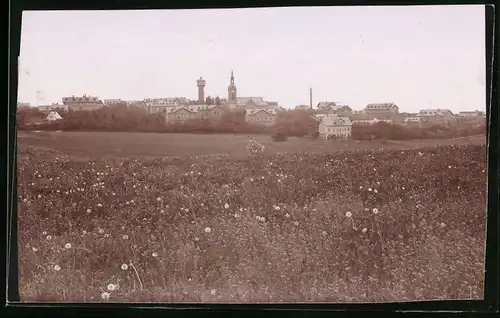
x: 350, y: 227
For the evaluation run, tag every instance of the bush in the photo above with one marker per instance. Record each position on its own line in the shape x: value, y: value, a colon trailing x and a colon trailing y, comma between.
x: 279, y: 137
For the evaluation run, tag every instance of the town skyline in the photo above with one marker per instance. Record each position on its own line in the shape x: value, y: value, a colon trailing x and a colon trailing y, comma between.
x: 441, y: 65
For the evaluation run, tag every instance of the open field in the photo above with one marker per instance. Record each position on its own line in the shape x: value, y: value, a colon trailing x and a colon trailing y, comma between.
x: 375, y: 225
x: 105, y: 144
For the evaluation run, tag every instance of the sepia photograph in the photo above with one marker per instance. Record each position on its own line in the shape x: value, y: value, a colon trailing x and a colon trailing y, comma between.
x: 252, y: 156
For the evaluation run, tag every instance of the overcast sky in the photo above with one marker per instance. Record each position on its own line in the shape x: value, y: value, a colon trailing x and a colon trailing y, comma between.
x: 417, y: 57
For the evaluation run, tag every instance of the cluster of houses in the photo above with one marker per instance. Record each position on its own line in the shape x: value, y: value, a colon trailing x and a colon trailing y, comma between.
x: 333, y: 119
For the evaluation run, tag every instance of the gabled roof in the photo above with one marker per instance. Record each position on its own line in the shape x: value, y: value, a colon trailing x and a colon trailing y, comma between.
x: 252, y: 112
x: 53, y: 115
x: 336, y: 121
x: 186, y: 108
x: 380, y: 106
x: 434, y: 112
x: 254, y: 100
x: 327, y: 104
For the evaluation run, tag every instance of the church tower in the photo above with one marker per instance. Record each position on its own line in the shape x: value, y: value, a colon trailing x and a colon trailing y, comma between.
x: 231, y: 91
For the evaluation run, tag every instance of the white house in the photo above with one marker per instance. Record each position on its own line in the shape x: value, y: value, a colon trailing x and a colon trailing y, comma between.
x: 471, y: 114
x: 335, y: 126
x: 53, y: 116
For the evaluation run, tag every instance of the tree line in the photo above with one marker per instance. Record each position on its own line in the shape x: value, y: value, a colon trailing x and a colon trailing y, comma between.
x: 290, y: 123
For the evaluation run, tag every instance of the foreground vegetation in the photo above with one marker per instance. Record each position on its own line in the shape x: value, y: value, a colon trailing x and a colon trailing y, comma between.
x: 386, y: 225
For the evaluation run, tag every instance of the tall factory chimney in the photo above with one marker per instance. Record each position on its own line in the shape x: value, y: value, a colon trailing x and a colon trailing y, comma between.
x: 311, y: 98
x: 201, y: 90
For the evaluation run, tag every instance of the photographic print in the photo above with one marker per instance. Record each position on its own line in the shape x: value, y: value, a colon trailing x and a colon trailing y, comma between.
x: 258, y: 155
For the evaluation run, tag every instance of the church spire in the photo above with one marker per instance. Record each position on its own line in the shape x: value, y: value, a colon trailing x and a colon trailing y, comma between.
x: 232, y: 77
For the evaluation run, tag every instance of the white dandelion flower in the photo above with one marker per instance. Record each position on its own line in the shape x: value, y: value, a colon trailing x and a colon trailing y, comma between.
x: 213, y: 292
x: 34, y: 249
x: 277, y: 208
x: 287, y: 215
x: 375, y: 211
x: 443, y: 224
x: 48, y: 237
x: 226, y: 206
x: 296, y: 223
x: 208, y: 230
x: 125, y: 237
x: 99, y: 205
x: 348, y: 214
x: 111, y: 287
x: 67, y: 246
x: 369, y: 189
x: 154, y: 254
x: 324, y: 233
x: 364, y: 230
x: 39, y: 196
x: 158, y: 199
x: 105, y: 296
x: 124, y: 267
x: 101, y: 231
x: 44, y: 233
x: 89, y: 210
x: 57, y: 267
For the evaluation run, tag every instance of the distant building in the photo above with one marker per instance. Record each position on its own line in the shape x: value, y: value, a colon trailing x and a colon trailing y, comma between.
x: 382, y: 110
x: 53, y: 116
x: 82, y: 103
x: 19, y: 105
x: 235, y: 102
x: 262, y: 117
x: 471, y: 114
x: 335, y: 125
x: 437, y: 116
x: 362, y: 119
x: 302, y: 107
x: 111, y: 102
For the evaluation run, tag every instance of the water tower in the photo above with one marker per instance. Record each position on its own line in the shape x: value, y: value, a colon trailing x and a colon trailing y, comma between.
x: 201, y: 90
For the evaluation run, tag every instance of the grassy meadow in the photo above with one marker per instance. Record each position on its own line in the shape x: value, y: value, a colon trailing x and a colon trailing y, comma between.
x: 120, y: 217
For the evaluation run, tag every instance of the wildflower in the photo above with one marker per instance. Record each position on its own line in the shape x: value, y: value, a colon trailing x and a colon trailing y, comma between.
x: 287, y: 215
x: 196, y: 239
x: 34, y: 249
x: 277, y: 208
x: 44, y: 233
x: 158, y: 199
x: 212, y: 292
x: 324, y: 233
x: 101, y: 231
x: 106, y: 235
x: 111, y: 287
x: 375, y: 211
x: 226, y: 206
x: 348, y: 214
x: 364, y: 230
x: 48, y: 237
x: 369, y: 189
x: 296, y: 223
x: 105, y: 296
x: 360, y: 187
x: 124, y: 267
x: 208, y: 230
x: 154, y: 254
x: 125, y: 237
x: 67, y: 246
x: 442, y: 224
x: 39, y: 196
x: 375, y: 190
x: 99, y: 205
x: 84, y: 232
x: 57, y: 267
x: 89, y: 210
